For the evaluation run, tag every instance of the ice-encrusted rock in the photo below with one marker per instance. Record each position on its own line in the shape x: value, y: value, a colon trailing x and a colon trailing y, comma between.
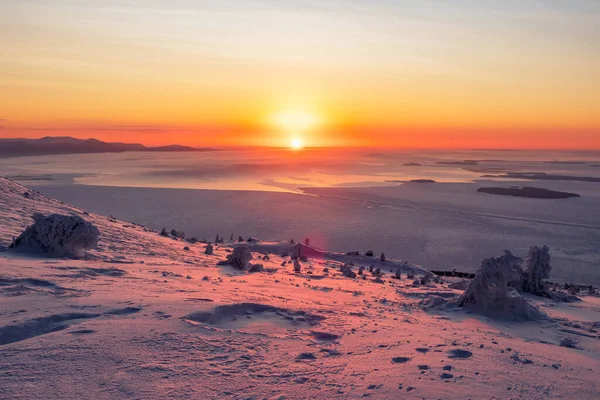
x: 490, y: 294
x: 459, y: 285
x: 176, y: 234
x: 209, y: 249
x: 426, y: 279
x: 346, y: 269
x: 58, y: 236
x: 398, y: 273
x: 240, y: 257
x: 257, y: 268
x: 164, y: 232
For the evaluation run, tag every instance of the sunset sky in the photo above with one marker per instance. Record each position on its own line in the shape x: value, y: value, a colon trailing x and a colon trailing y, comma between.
x: 461, y: 73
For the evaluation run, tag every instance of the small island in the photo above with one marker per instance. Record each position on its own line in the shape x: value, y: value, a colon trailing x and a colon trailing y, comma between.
x: 527, y: 191
x: 411, y: 181
x: 422, y: 181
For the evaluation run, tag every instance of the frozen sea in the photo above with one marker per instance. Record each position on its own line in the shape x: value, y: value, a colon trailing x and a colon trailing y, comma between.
x: 345, y: 200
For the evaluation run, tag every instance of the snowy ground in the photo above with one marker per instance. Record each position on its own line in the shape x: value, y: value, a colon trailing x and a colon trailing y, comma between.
x: 143, y: 318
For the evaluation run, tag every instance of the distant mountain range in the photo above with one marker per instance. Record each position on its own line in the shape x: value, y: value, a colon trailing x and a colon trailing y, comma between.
x: 69, y: 145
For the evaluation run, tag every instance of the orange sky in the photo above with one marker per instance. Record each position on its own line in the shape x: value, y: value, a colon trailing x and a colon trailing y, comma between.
x: 343, y: 73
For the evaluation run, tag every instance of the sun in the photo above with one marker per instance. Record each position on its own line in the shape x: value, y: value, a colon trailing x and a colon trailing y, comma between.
x: 296, y: 144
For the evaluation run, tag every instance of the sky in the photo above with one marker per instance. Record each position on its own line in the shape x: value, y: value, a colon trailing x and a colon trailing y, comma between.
x: 381, y: 73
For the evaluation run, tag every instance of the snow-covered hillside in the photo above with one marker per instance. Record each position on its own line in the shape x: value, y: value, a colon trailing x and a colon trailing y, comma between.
x: 152, y: 316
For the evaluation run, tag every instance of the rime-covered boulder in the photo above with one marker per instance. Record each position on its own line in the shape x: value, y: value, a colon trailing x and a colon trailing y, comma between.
x: 208, y: 250
x: 257, y: 268
x: 240, y: 257
x: 58, y: 236
x: 346, y: 270
x: 176, y: 234
x: 459, y: 285
x: 490, y: 294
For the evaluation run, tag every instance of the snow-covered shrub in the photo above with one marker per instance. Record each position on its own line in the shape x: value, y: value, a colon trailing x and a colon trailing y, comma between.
x: 490, y: 294
x: 58, y: 236
x: 538, y: 268
x: 297, y: 266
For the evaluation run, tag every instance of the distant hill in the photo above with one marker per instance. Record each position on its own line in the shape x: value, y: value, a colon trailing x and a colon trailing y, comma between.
x: 68, y: 145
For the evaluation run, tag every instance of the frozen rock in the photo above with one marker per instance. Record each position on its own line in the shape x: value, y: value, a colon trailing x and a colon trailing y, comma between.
x: 369, y: 253
x: 164, y: 232
x: 459, y: 285
x: 209, y: 249
x: 490, y: 294
x: 177, y: 234
x: 398, y: 274
x: 346, y: 270
x: 240, y: 257
x: 257, y: 268
x: 426, y: 279
x: 58, y: 236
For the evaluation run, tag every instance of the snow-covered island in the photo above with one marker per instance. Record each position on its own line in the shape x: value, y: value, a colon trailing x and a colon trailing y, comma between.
x: 95, y: 307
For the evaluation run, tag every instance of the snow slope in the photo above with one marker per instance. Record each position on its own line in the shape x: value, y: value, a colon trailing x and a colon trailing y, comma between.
x: 141, y: 317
